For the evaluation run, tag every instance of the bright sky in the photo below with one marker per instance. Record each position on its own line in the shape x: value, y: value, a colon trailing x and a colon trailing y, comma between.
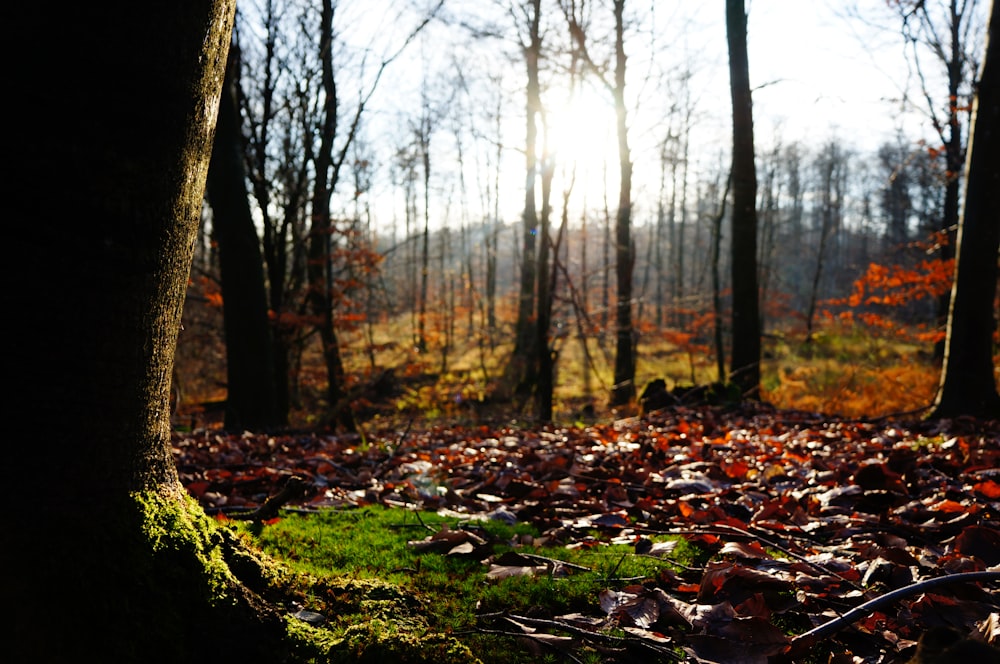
x: 831, y: 76
x: 818, y: 75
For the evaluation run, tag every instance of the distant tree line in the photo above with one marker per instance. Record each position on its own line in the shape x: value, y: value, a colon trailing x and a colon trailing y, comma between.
x: 303, y: 249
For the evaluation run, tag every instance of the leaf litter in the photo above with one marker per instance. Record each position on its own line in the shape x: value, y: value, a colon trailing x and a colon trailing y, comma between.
x: 801, y: 520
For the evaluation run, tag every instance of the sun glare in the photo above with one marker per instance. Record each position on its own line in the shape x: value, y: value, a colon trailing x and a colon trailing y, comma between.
x: 582, y: 133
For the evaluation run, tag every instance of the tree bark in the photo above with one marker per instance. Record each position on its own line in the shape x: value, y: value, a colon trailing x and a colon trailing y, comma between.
x: 968, y: 385
x: 745, y: 361
x: 111, y: 167
x: 321, y: 277
x: 544, y: 353
x: 250, y: 397
x: 520, y: 372
x: 623, y: 391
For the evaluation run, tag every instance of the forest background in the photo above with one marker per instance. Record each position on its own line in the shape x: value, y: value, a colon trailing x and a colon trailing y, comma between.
x: 423, y: 196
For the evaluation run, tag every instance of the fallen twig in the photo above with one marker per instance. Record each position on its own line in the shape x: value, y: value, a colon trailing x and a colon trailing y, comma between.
x: 600, y: 637
x: 808, y: 639
x: 556, y: 561
x: 294, y: 488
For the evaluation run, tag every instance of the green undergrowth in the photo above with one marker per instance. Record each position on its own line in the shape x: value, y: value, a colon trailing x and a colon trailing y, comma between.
x: 226, y: 600
x: 365, y: 574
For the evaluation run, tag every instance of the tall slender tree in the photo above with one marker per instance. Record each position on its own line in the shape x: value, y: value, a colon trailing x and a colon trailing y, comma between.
x: 522, y: 367
x: 251, y: 389
x: 278, y: 117
x: 745, y: 361
x: 328, y: 163
x: 623, y: 390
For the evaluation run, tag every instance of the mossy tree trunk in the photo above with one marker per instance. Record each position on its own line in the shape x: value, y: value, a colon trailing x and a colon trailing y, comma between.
x: 114, y: 111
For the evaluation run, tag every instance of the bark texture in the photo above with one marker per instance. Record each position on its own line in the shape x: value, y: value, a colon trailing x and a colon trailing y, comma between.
x: 251, y: 401
x: 968, y: 383
x: 745, y: 364
x: 112, y: 148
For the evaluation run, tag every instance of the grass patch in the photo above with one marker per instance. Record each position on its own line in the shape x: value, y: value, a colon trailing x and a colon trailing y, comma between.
x: 367, y: 572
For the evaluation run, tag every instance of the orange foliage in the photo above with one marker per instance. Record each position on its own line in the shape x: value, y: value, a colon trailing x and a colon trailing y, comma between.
x: 895, y: 285
x: 885, y: 287
x: 857, y: 391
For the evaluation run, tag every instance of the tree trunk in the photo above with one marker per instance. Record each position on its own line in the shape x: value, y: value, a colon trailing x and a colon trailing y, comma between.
x: 545, y: 361
x: 111, y: 167
x: 829, y: 164
x: 745, y: 362
x: 717, y: 332
x: 954, y: 155
x: 282, y: 229
x: 250, y: 397
x: 520, y: 371
x: 968, y: 386
x: 321, y: 278
x: 623, y: 391
x: 424, y: 144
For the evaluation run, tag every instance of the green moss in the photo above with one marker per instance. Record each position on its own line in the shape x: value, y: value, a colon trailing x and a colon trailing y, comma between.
x: 373, y: 587
x: 226, y: 593
x: 175, y: 526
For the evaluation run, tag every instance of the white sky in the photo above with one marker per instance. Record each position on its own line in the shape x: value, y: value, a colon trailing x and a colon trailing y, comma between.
x: 833, y: 77
x: 818, y: 75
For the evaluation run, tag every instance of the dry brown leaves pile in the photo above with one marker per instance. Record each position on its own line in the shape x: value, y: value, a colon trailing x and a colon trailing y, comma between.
x: 801, y: 519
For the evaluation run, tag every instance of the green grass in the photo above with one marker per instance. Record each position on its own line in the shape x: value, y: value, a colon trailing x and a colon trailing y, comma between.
x: 366, y: 571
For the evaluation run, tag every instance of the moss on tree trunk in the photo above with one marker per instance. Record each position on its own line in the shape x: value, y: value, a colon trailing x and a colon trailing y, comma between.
x: 105, y: 558
x: 151, y: 586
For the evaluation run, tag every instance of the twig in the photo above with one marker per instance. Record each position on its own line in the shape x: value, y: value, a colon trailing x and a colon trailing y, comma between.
x: 607, y: 639
x: 294, y: 488
x: 532, y: 637
x: 725, y: 529
x: 810, y: 638
x: 416, y: 513
x: 556, y: 561
x: 618, y: 565
x: 770, y: 542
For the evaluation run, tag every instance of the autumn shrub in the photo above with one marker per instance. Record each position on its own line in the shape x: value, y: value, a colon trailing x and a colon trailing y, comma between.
x: 852, y: 390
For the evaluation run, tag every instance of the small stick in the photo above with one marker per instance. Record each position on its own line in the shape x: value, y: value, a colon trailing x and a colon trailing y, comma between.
x: 294, y: 488
x: 810, y: 638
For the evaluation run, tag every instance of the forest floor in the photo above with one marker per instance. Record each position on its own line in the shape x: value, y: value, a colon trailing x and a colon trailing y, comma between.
x: 799, y: 518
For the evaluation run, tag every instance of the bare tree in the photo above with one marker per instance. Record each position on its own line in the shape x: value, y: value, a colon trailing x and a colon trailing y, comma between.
x: 745, y: 363
x: 520, y: 373
x: 328, y: 162
x: 831, y: 165
x: 623, y: 391
x: 251, y: 390
x: 277, y: 113
x: 945, y: 28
